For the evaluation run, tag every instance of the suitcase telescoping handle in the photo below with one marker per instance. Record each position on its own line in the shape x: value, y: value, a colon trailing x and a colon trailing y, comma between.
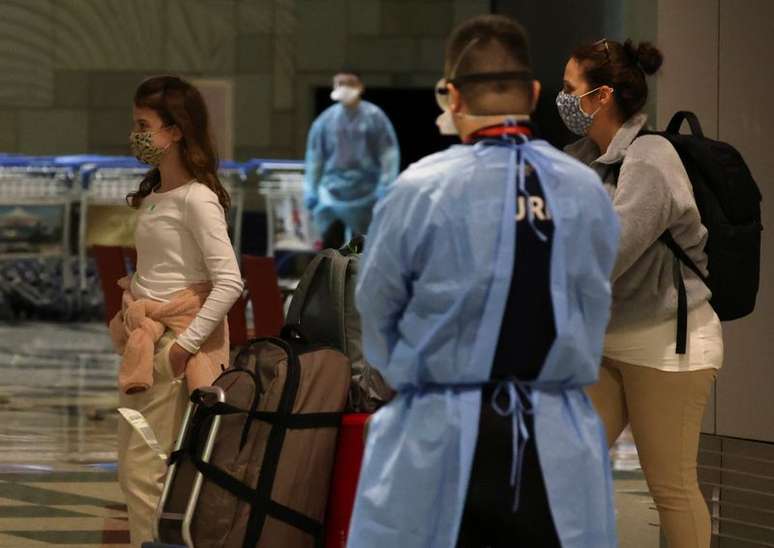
x: 206, y: 396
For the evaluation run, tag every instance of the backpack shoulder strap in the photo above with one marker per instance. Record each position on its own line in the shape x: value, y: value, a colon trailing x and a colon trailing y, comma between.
x: 339, y: 268
x: 681, y: 257
x: 615, y: 169
x: 678, y: 251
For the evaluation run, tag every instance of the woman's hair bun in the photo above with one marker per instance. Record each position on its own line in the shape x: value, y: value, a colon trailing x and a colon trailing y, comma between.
x: 648, y: 57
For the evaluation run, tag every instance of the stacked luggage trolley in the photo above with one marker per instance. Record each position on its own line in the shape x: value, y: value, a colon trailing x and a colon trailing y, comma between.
x: 45, y: 206
x: 37, y: 263
x: 48, y: 207
x: 291, y: 235
x: 290, y: 228
x: 104, y: 183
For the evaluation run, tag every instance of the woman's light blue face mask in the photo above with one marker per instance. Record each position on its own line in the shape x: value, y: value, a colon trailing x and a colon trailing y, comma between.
x: 572, y: 114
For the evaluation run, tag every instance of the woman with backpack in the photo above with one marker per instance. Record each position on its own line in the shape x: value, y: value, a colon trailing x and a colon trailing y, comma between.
x: 172, y: 330
x: 647, y: 379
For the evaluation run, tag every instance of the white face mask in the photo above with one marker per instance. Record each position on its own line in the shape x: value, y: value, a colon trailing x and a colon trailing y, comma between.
x: 346, y: 95
x: 445, y: 123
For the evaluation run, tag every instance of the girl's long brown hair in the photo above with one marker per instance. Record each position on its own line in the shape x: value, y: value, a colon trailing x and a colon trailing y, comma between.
x: 180, y: 104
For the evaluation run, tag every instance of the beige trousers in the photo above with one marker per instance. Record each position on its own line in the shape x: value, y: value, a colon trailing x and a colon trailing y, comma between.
x: 665, y: 410
x: 140, y: 470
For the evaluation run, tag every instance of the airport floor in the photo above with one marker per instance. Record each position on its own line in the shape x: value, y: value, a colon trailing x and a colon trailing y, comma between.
x: 58, y: 421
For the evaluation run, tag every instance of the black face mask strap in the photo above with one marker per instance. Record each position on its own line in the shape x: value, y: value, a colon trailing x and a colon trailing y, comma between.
x: 520, y: 75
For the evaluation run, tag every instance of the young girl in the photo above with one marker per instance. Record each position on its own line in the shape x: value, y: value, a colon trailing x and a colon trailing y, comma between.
x: 187, y: 280
x: 644, y: 381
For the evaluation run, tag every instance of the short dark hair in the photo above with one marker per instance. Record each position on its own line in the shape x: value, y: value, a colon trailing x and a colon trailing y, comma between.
x: 349, y: 71
x: 489, y: 43
x: 623, y: 67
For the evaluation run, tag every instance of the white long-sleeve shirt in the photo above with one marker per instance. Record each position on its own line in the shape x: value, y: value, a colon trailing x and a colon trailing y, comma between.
x: 182, y: 239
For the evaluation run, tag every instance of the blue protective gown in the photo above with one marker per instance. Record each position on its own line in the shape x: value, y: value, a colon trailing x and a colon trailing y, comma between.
x: 352, y: 156
x: 433, y: 286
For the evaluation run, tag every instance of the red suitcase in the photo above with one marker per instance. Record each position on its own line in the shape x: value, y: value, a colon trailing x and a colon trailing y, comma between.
x: 346, y: 471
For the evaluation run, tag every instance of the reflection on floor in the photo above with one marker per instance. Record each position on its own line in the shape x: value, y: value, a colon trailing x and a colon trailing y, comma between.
x: 57, y: 432
x: 637, y: 516
x: 57, y: 445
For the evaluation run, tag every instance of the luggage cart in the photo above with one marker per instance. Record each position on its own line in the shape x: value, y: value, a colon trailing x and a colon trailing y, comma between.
x: 104, y: 183
x: 233, y: 175
x: 290, y: 228
x: 36, y: 262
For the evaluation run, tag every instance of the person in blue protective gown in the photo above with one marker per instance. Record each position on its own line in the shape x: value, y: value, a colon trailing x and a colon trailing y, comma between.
x: 352, y: 156
x: 484, y: 293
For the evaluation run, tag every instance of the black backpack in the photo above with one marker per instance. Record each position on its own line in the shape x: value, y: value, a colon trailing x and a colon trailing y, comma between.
x: 729, y: 203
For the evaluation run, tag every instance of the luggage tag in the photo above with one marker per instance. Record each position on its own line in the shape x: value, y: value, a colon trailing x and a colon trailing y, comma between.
x: 140, y: 424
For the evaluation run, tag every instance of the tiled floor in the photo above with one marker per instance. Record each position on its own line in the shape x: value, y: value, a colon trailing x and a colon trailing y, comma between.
x: 57, y: 445
x: 637, y: 516
x: 57, y: 438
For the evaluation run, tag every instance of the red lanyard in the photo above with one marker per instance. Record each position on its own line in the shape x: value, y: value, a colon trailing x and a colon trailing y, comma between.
x: 499, y: 131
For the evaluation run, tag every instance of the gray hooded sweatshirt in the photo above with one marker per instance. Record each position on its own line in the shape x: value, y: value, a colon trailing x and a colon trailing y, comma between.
x: 653, y: 194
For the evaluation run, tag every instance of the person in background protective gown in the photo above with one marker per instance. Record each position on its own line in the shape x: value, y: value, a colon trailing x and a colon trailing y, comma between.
x: 484, y: 293
x: 352, y: 155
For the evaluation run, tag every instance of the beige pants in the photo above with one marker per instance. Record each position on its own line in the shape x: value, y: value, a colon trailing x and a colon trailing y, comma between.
x: 665, y: 410
x: 140, y: 470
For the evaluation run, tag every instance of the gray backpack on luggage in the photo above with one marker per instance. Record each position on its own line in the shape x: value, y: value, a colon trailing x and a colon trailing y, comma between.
x: 323, y: 306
